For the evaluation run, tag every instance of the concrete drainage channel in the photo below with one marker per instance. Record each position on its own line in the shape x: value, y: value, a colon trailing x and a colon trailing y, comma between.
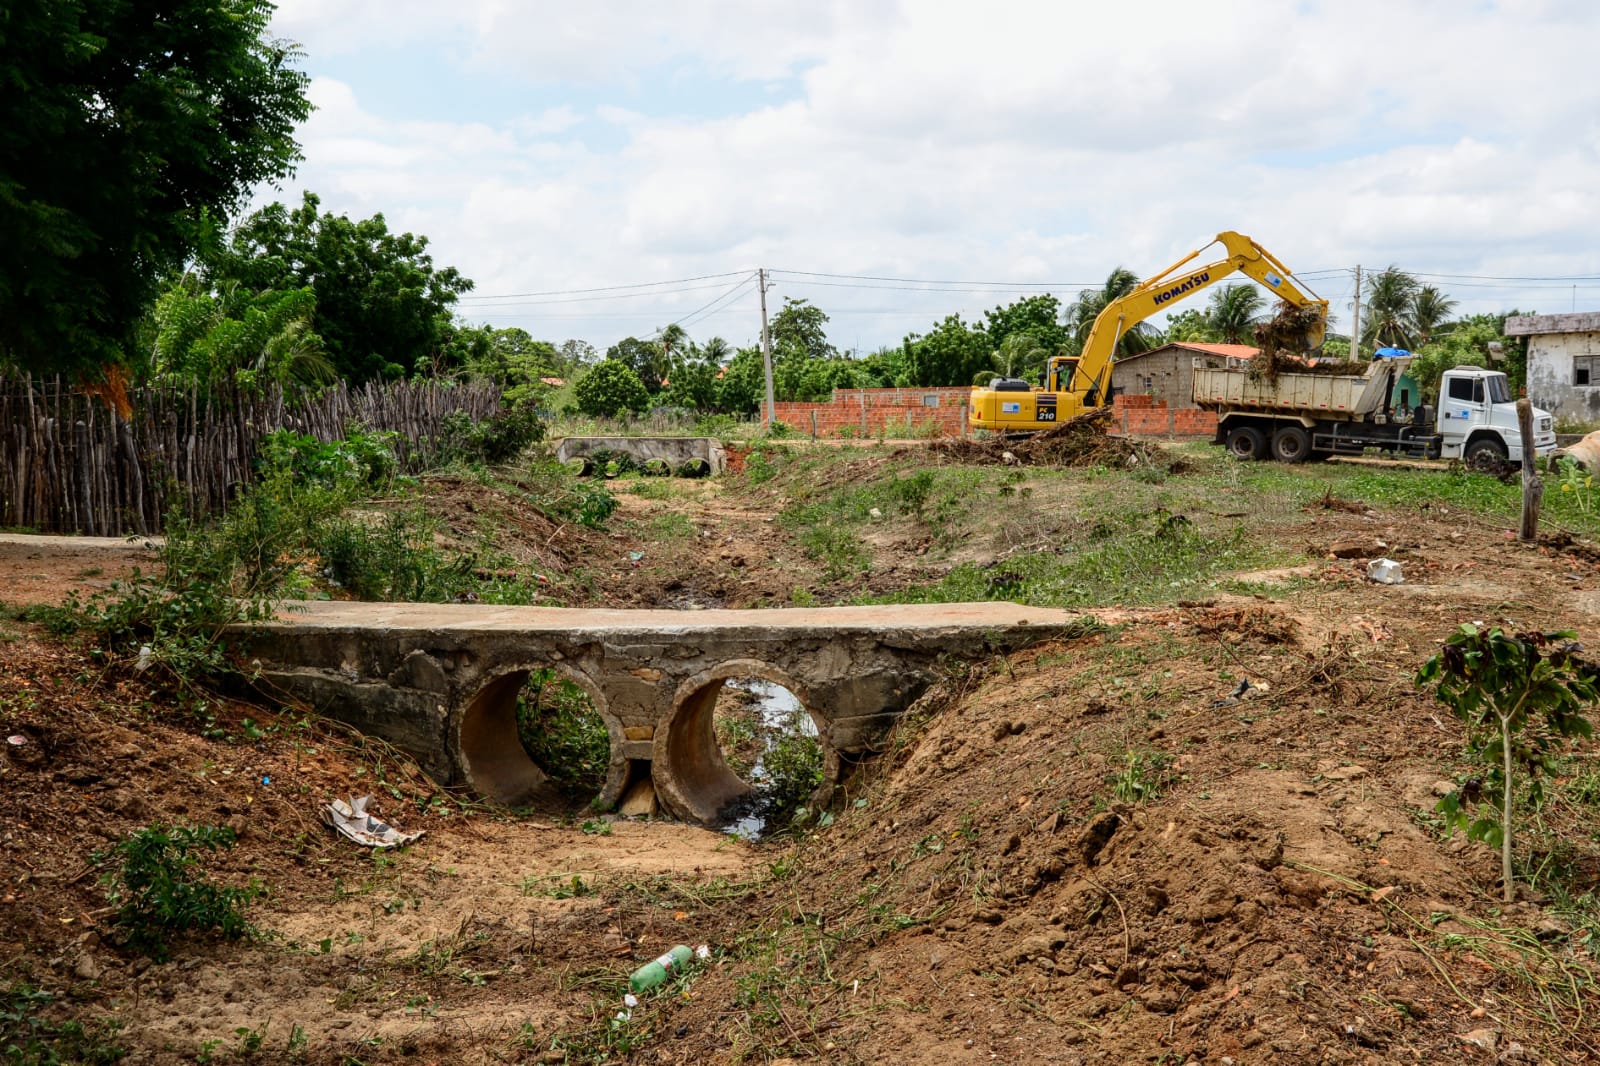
x: 680, y: 456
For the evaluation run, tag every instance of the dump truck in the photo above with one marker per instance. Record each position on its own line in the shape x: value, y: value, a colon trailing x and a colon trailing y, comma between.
x: 1292, y: 416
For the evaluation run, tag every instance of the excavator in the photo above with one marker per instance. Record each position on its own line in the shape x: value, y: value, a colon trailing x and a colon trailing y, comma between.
x: 1074, y: 384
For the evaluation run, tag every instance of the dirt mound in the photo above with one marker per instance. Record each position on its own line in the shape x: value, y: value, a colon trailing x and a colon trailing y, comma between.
x: 1096, y: 854
x: 1081, y: 441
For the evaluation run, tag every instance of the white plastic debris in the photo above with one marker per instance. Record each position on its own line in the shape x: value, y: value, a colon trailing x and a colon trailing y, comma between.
x: 352, y: 820
x: 1385, y: 572
x: 145, y: 655
x: 703, y: 951
x: 630, y: 1001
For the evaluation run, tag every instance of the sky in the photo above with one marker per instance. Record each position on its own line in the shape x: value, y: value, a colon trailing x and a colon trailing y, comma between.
x: 601, y: 170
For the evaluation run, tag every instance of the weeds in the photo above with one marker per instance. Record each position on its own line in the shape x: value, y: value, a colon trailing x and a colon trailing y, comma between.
x: 563, y: 734
x: 1144, y: 777
x: 29, y: 1038
x: 160, y: 891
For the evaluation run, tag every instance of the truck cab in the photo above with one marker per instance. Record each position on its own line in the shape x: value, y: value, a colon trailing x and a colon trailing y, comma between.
x: 1477, y: 417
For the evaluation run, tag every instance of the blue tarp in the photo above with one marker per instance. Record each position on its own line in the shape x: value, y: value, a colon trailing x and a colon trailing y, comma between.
x: 1390, y: 353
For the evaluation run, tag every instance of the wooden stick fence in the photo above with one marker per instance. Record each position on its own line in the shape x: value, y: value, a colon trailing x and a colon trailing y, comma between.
x: 68, y: 464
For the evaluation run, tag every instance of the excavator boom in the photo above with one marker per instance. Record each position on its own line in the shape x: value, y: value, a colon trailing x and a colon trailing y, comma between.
x: 1076, y: 383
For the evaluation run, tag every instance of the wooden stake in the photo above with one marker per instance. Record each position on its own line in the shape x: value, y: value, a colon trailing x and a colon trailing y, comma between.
x: 1532, y: 486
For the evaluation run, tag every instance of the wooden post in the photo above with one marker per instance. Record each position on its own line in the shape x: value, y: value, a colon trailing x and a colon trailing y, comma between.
x: 1532, y: 486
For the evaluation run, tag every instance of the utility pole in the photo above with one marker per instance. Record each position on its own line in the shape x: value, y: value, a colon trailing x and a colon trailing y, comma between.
x: 1355, y: 319
x: 766, y: 348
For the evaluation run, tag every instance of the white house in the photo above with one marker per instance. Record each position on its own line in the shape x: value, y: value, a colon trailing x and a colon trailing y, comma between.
x: 1563, y: 362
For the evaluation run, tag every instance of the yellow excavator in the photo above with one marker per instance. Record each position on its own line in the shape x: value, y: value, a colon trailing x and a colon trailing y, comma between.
x: 1075, y: 383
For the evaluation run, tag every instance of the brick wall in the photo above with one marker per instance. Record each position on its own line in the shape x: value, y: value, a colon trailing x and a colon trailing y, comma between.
x: 1148, y: 415
x: 875, y: 412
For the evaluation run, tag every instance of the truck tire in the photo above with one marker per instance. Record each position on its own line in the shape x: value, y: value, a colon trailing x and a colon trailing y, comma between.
x: 1291, y: 444
x: 1485, y: 453
x: 1246, y: 442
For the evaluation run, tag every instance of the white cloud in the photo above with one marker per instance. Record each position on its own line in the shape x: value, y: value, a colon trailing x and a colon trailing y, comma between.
x: 1024, y: 141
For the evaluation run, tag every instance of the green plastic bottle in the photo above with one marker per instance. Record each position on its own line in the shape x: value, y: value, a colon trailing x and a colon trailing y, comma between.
x: 653, y: 973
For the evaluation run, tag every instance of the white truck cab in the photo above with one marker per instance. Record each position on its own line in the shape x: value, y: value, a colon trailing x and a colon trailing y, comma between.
x: 1477, y: 415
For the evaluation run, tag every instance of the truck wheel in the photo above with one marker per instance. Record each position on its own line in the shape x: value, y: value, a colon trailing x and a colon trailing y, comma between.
x: 1246, y: 442
x: 1291, y: 444
x: 1485, y: 453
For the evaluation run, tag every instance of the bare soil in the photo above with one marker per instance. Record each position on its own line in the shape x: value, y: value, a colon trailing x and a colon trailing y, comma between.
x: 1093, y: 851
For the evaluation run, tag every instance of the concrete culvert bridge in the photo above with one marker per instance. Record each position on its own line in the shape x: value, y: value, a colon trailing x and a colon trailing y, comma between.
x: 442, y: 681
x: 691, y: 770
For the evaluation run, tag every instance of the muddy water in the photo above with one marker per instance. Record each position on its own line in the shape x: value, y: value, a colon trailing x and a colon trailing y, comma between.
x: 777, y: 707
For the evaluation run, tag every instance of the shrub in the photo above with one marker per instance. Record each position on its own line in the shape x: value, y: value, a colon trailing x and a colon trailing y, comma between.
x: 1519, y: 696
x: 493, y: 440
x: 610, y: 389
x: 363, y: 459
x: 160, y: 891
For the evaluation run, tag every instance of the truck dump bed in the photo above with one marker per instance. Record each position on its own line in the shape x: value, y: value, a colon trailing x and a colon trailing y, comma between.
x: 1317, y: 395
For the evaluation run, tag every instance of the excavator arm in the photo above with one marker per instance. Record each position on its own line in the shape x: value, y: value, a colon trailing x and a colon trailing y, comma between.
x: 1088, y: 374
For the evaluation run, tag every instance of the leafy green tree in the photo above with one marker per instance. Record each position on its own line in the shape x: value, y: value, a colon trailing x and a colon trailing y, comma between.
x: 742, y: 387
x: 1520, y: 697
x: 1466, y: 344
x: 512, y: 357
x: 1082, y: 312
x: 1387, y: 320
x: 127, y: 131
x: 1192, y: 326
x: 799, y: 331
x: 645, y: 358
x: 1430, y: 311
x: 951, y: 354
x: 610, y: 389
x: 575, y: 354
x: 1233, y: 312
x: 252, y: 338
x: 383, y: 308
x: 886, y: 368
x: 1037, y: 316
x: 692, y: 383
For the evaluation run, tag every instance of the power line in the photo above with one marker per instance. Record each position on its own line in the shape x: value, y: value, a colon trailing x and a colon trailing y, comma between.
x: 607, y: 288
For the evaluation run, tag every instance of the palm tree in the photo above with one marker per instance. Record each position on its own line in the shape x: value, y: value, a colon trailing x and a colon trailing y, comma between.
x: 1430, y: 310
x: 671, y: 338
x: 1234, y: 311
x: 1388, y: 321
x: 716, y: 351
x: 1018, y: 355
x: 1082, y: 312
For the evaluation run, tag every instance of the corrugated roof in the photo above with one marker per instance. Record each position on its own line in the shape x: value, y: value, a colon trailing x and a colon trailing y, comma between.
x: 1232, y: 351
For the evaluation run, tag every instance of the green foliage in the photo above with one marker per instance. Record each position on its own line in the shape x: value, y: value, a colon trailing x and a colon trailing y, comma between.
x: 1233, y: 312
x: 648, y: 362
x: 563, y: 734
x: 160, y: 890
x: 1082, y: 312
x: 253, y: 338
x: 951, y: 354
x: 129, y: 131
x: 382, y: 307
x: 792, y: 770
x: 363, y: 459
x: 561, y: 495
x: 1037, y: 316
x: 1520, y: 696
x: 29, y: 1038
x: 513, y: 358
x: 1143, y: 777
x: 1465, y: 344
x: 743, y: 384
x: 692, y: 384
x: 491, y: 440
x: 392, y: 558
x: 1190, y: 325
x: 610, y: 389
x: 1578, y: 482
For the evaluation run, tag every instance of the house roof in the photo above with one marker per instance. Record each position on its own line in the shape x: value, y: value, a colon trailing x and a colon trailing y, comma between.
x: 1232, y: 351
x: 1529, y: 325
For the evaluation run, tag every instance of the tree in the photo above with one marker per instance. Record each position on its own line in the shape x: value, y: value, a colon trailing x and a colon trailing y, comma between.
x: 611, y: 388
x: 383, y: 309
x: 692, y: 383
x: 1519, y: 696
x: 1190, y: 325
x: 1233, y: 312
x: 644, y: 358
x: 250, y: 338
x: 798, y: 331
x: 1387, y: 320
x: 1083, y: 311
x: 127, y: 132
x: 1038, y: 316
x: 1430, y: 309
x: 951, y: 354
x: 1020, y: 355
x: 716, y: 351
x: 743, y: 384
x: 1466, y: 344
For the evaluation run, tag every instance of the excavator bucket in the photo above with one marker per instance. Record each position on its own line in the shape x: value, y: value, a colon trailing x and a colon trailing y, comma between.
x: 1293, y: 330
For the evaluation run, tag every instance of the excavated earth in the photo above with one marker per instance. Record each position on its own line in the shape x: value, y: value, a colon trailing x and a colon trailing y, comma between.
x: 1104, y: 849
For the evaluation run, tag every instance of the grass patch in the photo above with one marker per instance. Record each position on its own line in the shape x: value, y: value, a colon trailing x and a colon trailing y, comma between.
x: 28, y: 1037
x: 563, y: 734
